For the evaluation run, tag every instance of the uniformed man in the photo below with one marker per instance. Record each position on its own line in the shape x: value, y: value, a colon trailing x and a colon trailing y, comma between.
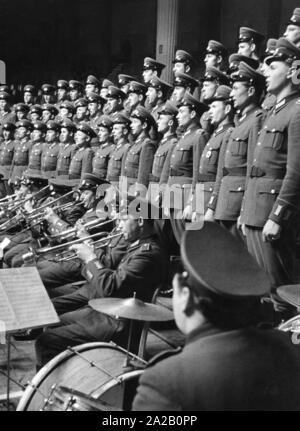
x: 48, y: 93
x: 272, y: 196
x: 141, y: 269
x: 22, y: 149
x: 67, y: 150
x: 81, y: 111
x: 106, y: 146
x: 95, y: 107
x: 7, y: 148
x: 136, y: 95
x: 49, y: 112
x: 37, y: 137
x: 225, y: 203
x: 269, y: 100
x: 104, y: 88
x: 76, y: 89
x: 139, y: 158
x: 151, y: 68
x: 157, y: 95
x: 29, y: 94
x: 62, y: 92
x: 81, y: 162
x: 51, y: 149
x: 221, y: 115
x: 249, y: 42
x: 66, y: 110
x: 228, y: 361
x: 124, y: 80
x: 292, y: 32
x: 6, y: 113
x: 114, y: 100
x: 92, y: 85
x: 183, y: 162
x: 21, y: 110
x: 35, y: 113
x: 183, y: 62
x: 182, y: 83
x: 216, y: 55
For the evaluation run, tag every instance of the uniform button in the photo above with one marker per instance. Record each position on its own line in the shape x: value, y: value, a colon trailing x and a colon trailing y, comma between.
x: 239, y: 189
x: 273, y: 130
x: 254, y: 160
x: 173, y: 155
x: 258, y: 143
x: 272, y: 191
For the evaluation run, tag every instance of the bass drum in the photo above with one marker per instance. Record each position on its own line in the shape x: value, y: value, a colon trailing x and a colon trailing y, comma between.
x: 97, y: 370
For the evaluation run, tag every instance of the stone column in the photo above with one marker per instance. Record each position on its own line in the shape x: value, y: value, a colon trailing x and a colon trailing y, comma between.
x: 166, y: 35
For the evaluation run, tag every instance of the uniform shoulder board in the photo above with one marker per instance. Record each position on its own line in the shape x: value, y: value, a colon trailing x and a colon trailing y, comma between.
x: 163, y: 355
x: 298, y: 102
x: 199, y: 131
x: 146, y: 247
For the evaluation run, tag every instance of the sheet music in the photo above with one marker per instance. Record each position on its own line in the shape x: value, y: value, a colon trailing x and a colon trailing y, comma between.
x: 24, y: 302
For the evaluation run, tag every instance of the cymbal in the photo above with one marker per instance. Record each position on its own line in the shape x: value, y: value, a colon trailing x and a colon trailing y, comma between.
x: 131, y: 308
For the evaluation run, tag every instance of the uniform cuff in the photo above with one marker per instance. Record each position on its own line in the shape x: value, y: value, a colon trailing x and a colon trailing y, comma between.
x: 281, y: 212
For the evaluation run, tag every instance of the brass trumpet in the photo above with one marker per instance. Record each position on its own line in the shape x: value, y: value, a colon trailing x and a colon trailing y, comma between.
x: 102, y: 242
x: 89, y: 225
x: 38, y: 212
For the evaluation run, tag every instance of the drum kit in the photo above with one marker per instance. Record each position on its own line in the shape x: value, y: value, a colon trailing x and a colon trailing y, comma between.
x: 94, y: 376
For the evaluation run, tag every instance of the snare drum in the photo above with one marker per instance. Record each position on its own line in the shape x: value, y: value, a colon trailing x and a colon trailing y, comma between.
x: 97, y: 370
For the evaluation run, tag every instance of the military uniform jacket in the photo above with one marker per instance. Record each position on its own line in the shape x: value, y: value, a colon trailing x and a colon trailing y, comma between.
x: 81, y: 163
x: 101, y: 158
x: 35, y: 156
x: 65, y: 155
x: 209, y: 161
x: 160, y: 157
x: 138, y: 161
x: 6, y: 157
x: 142, y: 269
x: 273, y: 187
x: 116, y: 160
x: 241, y: 369
x: 49, y: 159
x: 20, y: 159
x: 232, y: 167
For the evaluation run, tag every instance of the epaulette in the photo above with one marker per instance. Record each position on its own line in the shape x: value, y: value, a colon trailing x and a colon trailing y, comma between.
x: 163, y: 355
x: 146, y: 246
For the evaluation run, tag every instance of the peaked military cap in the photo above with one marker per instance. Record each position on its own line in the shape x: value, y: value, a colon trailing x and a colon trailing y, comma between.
x: 215, y: 47
x: 120, y: 118
x: 48, y: 89
x: 193, y: 103
x: 125, y: 79
x: 247, y: 34
x: 31, y: 177
x: 4, y: 95
x: 235, y: 59
x: 66, y: 123
x: 53, y: 125
x: 182, y: 56
x: 62, y: 83
x: 246, y: 73
x: 85, y: 128
x: 35, y: 109
x: 105, y: 121
x: 91, y: 79
x: 24, y: 123
x: 185, y: 80
x: 271, y: 46
x: 137, y: 87
x: 29, y: 89
x: 152, y: 64
x: 95, y: 97
x: 4, y: 88
x: 295, y: 18
x: 222, y: 94
x: 81, y: 102
x: 290, y: 293
x: 21, y: 107
x: 284, y: 51
x: 215, y: 247
x: 90, y: 182
x: 106, y: 83
x: 168, y: 109
x: 159, y: 84
x: 142, y: 114
x: 115, y: 93
x: 39, y: 125
x: 49, y: 107
x: 75, y: 85
x: 8, y: 125
x: 67, y: 105
x: 61, y: 185
x: 214, y: 74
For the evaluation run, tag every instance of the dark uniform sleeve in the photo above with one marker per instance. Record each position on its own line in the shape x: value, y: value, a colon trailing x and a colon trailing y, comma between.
x: 87, y: 166
x: 287, y: 201
x: 145, y: 163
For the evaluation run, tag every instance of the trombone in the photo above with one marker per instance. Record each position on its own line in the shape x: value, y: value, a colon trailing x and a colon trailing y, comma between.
x: 102, y: 242
x: 93, y: 224
x: 38, y: 212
